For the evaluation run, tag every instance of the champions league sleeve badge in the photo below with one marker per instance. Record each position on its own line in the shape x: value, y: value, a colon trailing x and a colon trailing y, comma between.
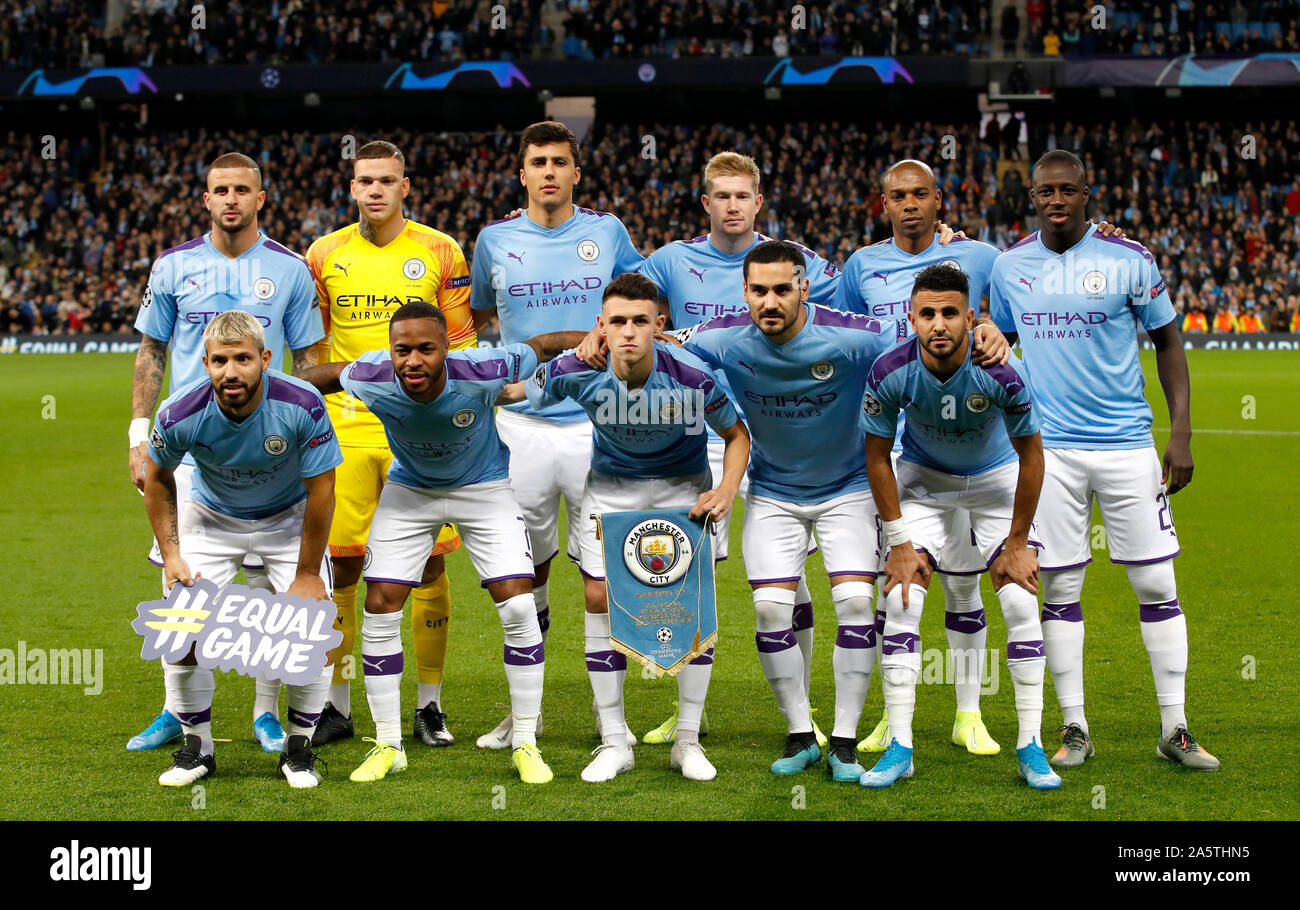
x: 248, y: 630
x: 659, y: 582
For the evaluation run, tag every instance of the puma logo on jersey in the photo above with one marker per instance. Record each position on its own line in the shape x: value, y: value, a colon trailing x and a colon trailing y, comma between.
x: 1027, y: 283
x: 699, y: 275
x: 343, y: 268
x: 518, y: 257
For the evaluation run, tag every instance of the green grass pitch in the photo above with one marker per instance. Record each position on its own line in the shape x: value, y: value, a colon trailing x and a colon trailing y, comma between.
x: 76, y: 534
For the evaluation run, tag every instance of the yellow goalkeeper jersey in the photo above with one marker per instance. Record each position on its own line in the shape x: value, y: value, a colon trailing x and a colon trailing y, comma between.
x: 359, y: 286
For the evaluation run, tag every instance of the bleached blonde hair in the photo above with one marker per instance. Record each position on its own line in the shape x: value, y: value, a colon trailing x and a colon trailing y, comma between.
x: 232, y: 327
x: 730, y: 164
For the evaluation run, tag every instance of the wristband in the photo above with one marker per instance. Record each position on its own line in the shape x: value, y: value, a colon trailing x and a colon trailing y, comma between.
x: 139, y: 431
x: 896, y: 532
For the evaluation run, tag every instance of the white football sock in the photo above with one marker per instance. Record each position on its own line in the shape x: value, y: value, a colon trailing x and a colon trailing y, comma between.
x: 692, y: 690
x: 169, y: 687
x: 191, y: 689
x: 606, y: 668
x: 854, y: 656
x: 779, y: 655
x: 306, y: 703
x: 802, y: 624
x: 1164, y: 632
x: 967, y: 636
x: 266, y: 697
x: 525, y: 661
x: 1062, y: 620
x: 1025, y: 660
x: 381, y: 659
x: 900, y: 659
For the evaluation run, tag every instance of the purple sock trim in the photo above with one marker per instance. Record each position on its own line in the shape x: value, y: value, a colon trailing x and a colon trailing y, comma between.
x: 803, y: 616
x: 302, y: 718
x: 855, y: 637
x: 1024, y: 650
x: 544, y: 620
x: 969, y: 623
x: 606, y: 661
x: 1064, y: 612
x: 880, y: 623
x: 1159, y: 612
x: 384, y: 665
x: 771, y: 642
x: 705, y: 658
x: 900, y: 643
x: 525, y: 657
x: 194, y: 718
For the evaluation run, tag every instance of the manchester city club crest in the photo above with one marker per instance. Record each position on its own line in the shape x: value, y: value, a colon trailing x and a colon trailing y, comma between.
x: 1094, y: 282
x: 413, y: 268
x: 657, y: 552
x: 588, y: 251
x: 463, y: 418
x: 275, y: 444
x: 263, y: 288
x: 822, y: 370
x: 871, y: 405
x: 659, y: 581
x: 977, y: 402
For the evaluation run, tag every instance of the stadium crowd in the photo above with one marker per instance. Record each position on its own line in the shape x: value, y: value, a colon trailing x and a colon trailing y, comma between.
x: 77, y: 236
x: 75, y: 33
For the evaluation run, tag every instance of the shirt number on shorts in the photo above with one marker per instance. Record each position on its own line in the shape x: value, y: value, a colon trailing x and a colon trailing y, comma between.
x: 1164, y: 515
x: 528, y: 540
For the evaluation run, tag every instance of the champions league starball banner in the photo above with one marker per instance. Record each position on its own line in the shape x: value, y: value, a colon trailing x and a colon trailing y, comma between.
x: 659, y: 583
x: 248, y: 630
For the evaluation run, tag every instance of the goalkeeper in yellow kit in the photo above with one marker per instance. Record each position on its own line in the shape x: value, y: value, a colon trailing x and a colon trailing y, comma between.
x: 363, y: 273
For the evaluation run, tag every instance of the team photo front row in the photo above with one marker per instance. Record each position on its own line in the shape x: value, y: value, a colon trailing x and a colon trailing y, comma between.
x: 903, y: 457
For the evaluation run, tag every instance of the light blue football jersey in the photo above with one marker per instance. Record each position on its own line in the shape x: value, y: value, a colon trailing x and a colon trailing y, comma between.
x: 451, y: 441
x: 801, y: 398
x: 1077, y: 315
x: 254, y: 468
x: 549, y: 279
x: 878, y: 278
x: 701, y: 282
x: 655, y: 431
x: 193, y: 282
x: 961, y: 426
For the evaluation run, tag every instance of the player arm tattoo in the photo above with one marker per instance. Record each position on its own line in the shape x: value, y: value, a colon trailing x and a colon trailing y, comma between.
x: 318, y: 514
x: 303, y: 358
x: 161, y: 506
x: 146, y: 383
x: 552, y: 344
x: 324, y: 376
x: 1028, y: 485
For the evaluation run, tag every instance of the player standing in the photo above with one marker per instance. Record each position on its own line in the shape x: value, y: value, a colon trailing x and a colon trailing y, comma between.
x: 972, y: 466
x: 700, y: 279
x: 544, y: 271
x: 801, y: 369
x: 449, y: 465
x: 264, y: 454
x: 1076, y: 298
x: 234, y: 266
x: 363, y: 273
x: 640, y: 460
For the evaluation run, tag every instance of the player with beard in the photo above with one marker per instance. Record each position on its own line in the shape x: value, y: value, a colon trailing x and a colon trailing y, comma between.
x: 234, y: 266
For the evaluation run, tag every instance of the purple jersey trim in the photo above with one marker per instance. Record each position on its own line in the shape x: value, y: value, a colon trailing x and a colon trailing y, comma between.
x: 1019, y: 243
x: 1007, y: 377
x: 503, y: 220
x: 568, y: 363
x: 892, y: 360
x: 700, y: 239
x: 1127, y: 244
x: 277, y: 248
x: 730, y: 321
x: 190, y: 404
x: 187, y: 245
x: 826, y: 316
x: 487, y: 371
x: 684, y: 373
x: 309, y: 401
x: 372, y: 372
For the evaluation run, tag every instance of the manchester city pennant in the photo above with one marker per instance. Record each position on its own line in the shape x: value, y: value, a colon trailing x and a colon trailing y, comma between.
x: 659, y: 583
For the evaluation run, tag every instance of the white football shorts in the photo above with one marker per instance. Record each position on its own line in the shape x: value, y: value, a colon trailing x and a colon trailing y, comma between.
x: 184, y: 476
x: 215, y: 544
x: 547, y: 460
x: 1126, y: 484
x: 945, y: 511
x: 408, y: 519
x: 777, y: 536
x: 617, y: 494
